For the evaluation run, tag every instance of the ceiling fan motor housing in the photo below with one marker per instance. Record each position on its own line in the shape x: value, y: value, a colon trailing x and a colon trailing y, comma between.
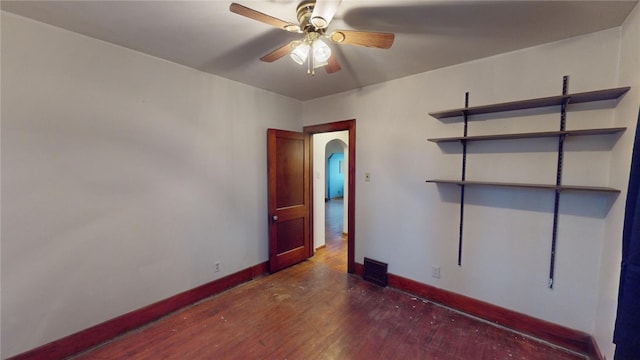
x: 304, y: 12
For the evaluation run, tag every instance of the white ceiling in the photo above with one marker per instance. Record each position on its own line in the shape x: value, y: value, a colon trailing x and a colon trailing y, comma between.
x: 430, y: 34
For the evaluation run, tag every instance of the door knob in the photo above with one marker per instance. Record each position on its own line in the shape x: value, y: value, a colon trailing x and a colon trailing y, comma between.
x: 274, y: 218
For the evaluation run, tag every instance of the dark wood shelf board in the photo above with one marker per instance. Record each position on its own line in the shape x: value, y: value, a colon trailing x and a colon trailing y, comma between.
x: 583, y: 132
x: 529, y: 186
x: 590, y: 96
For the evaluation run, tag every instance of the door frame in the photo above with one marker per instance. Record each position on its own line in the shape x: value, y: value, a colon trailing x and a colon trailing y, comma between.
x: 349, y: 125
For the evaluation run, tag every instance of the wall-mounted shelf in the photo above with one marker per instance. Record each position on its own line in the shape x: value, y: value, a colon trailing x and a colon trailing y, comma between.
x: 562, y: 101
x: 590, y: 96
x: 529, y: 186
x: 583, y: 132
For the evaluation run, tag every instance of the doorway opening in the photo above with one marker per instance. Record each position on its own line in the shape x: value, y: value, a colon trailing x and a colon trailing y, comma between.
x: 329, y: 217
x: 325, y: 200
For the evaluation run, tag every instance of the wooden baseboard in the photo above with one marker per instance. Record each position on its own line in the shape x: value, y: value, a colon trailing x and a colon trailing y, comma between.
x: 109, y: 329
x: 260, y: 269
x: 359, y: 269
x: 567, y: 338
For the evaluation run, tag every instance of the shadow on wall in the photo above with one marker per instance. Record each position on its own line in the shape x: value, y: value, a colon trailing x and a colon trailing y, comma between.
x: 584, y: 204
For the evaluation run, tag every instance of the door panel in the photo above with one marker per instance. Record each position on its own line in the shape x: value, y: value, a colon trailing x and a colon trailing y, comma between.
x: 289, y: 198
x: 290, y: 166
x: 290, y: 235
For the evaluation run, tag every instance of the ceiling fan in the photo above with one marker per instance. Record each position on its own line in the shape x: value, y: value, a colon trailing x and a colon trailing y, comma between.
x: 314, y: 17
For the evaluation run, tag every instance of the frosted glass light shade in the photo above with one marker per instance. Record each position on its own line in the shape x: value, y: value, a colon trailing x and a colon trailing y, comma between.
x: 321, y: 51
x: 300, y: 53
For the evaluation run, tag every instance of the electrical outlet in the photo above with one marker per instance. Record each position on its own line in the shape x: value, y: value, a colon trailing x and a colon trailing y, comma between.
x: 217, y: 266
x: 435, y: 272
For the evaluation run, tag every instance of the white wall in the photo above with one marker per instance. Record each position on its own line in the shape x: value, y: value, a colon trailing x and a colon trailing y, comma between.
x: 124, y: 178
x: 319, y: 175
x: 626, y: 114
x: 507, y: 232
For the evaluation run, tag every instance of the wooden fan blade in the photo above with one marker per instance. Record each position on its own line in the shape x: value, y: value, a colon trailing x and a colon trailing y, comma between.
x: 262, y: 17
x: 363, y: 38
x: 323, y: 12
x: 333, y: 65
x: 280, y: 52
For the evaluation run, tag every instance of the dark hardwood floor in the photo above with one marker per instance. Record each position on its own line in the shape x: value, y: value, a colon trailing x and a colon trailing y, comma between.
x: 315, y: 310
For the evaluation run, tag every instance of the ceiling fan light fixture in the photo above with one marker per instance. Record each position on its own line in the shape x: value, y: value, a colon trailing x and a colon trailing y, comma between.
x: 300, y: 53
x: 321, y: 51
x: 314, y: 16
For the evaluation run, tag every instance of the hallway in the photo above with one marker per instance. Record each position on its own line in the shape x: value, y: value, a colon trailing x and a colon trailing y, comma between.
x: 334, y: 252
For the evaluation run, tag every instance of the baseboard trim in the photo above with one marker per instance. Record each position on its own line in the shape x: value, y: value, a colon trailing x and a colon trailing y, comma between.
x: 260, y: 269
x: 565, y: 337
x: 359, y: 269
x: 109, y: 329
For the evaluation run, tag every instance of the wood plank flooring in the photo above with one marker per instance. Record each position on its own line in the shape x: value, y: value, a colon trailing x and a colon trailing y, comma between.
x: 334, y: 253
x: 314, y: 310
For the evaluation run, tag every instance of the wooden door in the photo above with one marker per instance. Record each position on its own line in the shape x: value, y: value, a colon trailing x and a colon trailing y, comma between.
x: 289, y: 198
